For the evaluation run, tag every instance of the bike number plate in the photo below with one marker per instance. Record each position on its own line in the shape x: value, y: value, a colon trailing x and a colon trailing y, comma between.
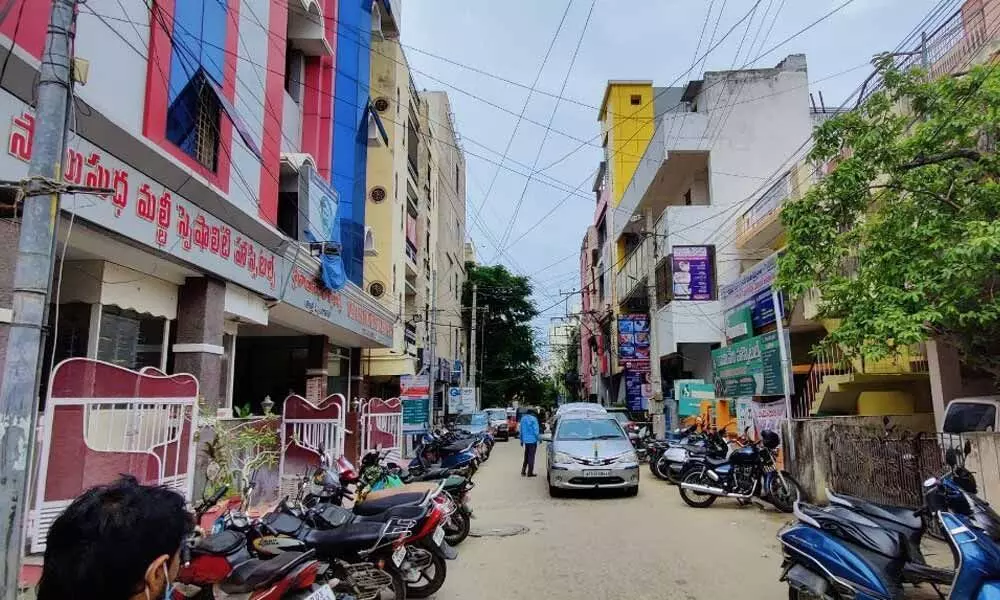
x: 438, y: 535
x: 398, y: 555
x: 594, y: 473
x: 323, y: 593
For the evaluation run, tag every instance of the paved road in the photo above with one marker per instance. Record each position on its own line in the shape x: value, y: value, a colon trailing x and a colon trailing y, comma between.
x: 652, y: 546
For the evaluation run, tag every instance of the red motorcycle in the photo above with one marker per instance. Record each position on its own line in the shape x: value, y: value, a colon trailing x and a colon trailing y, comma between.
x: 221, y: 566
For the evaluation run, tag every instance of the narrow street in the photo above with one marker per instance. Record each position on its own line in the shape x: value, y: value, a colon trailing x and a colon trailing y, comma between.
x: 651, y: 546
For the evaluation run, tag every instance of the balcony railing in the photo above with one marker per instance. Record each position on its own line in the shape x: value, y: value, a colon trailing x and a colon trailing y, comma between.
x: 630, y: 280
x: 768, y: 205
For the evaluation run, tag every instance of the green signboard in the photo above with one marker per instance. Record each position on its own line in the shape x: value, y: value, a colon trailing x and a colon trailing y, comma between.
x: 750, y: 367
x: 415, y: 412
x: 739, y: 323
x: 690, y: 394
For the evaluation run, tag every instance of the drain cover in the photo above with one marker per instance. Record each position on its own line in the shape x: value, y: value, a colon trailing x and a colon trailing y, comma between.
x: 501, y: 531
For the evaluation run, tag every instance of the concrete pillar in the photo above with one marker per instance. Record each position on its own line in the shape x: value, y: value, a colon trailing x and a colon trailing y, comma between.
x: 316, y: 368
x: 945, y: 376
x: 9, y: 233
x: 201, y: 306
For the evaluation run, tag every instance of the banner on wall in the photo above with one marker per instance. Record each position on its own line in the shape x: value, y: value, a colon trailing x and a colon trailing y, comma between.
x: 752, y: 290
x: 692, y: 272
x: 744, y: 416
x: 633, y: 339
x: 768, y: 415
x: 638, y: 389
x: 414, y: 393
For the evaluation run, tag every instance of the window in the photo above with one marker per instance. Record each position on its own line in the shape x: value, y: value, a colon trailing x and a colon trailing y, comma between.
x: 130, y: 340
x: 687, y: 197
x: 457, y: 186
x: 294, y: 68
x: 412, y: 145
x: 663, y: 283
x: 193, y: 121
x: 338, y: 371
x: 457, y: 286
x: 635, y: 100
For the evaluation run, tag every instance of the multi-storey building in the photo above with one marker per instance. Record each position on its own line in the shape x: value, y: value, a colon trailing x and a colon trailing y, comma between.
x: 213, y: 121
x: 415, y: 215
x: 681, y: 162
x: 448, y: 191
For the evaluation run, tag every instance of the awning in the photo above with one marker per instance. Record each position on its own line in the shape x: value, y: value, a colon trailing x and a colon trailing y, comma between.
x: 101, y: 282
x: 294, y: 161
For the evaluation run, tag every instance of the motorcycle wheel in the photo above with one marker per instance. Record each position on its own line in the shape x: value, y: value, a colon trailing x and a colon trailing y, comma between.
x: 459, y: 527
x: 652, y: 467
x: 692, y: 498
x: 431, y: 579
x: 783, y: 497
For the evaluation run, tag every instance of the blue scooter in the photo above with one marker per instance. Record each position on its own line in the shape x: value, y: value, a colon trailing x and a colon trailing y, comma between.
x: 433, y: 453
x: 830, y: 555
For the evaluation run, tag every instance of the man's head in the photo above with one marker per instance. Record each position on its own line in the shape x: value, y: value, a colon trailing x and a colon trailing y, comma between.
x: 115, y: 542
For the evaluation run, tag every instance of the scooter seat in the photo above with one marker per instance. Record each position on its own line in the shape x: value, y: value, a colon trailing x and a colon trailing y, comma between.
x: 350, y: 538
x: 459, y: 446
x: 903, y: 516
x: 372, y: 507
x: 256, y: 573
x: 855, y: 528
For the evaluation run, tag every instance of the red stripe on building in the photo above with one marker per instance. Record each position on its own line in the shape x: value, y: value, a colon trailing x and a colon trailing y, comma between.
x: 34, y: 20
x: 274, y: 97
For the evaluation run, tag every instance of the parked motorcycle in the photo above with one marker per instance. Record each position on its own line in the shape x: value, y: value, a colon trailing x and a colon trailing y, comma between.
x: 439, y: 452
x: 221, y: 565
x: 834, y: 553
x: 656, y: 448
x: 677, y: 461
x: 748, y: 472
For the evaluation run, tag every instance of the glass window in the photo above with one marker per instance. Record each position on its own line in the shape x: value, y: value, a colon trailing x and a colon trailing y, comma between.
x: 967, y: 416
x: 129, y: 339
x: 589, y: 429
x: 338, y: 371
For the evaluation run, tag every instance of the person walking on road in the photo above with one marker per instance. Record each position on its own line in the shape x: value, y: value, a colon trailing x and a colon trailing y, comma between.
x: 529, y: 440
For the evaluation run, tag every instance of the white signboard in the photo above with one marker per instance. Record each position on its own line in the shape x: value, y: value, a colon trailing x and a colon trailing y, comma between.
x: 757, y: 279
x: 768, y: 415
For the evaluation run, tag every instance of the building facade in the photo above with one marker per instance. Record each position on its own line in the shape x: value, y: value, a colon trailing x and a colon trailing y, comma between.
x: 214, y: 124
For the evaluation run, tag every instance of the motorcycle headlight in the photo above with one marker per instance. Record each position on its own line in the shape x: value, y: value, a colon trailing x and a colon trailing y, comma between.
x: 561, y: 458
x: 626, y: 458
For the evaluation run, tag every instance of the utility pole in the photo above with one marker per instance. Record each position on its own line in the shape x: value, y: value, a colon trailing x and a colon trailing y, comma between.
x: 656, y: 402
x: 32, y: 280
x: 472, y: 338
x: 432, y: 361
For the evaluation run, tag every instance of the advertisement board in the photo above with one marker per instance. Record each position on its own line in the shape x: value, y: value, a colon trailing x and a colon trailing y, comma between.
x: 414, y: 393
x: 633, y: 338
x: 637, y: 388
x: 692, y: 272
x: 768, y: 416
x: 752, y: 290
x: 750, y: 367
x: 461, y: 401
x: 690, y: 393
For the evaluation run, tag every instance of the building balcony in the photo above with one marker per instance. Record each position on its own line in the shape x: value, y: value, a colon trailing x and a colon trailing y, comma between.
x: 760, y: 225
x: 672, y: 171
x: 630, y: 281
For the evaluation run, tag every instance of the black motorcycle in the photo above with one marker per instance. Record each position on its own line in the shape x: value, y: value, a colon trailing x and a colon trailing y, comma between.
x: 749, y: 472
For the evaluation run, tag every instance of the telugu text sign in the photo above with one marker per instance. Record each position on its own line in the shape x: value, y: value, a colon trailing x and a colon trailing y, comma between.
x: 750, y: 367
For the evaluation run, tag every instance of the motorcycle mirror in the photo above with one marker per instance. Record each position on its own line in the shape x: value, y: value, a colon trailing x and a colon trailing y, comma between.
x: 967, y: 448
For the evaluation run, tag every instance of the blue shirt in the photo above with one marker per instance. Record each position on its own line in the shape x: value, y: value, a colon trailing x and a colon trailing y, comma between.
x: 529, y: 429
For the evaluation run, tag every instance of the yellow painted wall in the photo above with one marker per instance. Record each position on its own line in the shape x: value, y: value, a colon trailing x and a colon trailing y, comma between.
x: 628, y: 128
x: 874, y: 403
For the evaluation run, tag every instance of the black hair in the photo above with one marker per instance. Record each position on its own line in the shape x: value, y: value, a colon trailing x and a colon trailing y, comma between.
x: 100, y: 547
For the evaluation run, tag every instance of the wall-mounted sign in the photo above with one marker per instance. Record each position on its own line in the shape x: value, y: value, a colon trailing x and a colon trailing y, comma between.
x: 753, y: 290
x: 751, y: 367
x: 690, y: 393
x: 638, y: 390
x: 739, y: 323
x: 633, y: 338
x: 414, y: 393
x: 693, y: 272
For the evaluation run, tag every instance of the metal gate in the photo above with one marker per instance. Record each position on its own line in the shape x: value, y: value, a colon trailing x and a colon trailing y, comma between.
x: 101, y: 421
x: 885, y: 469
x: 382, y: 425
x: 307, y: 432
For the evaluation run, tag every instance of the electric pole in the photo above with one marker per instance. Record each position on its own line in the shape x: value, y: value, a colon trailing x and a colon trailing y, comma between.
x: 472, y: 339
x: 656, y: 402
x: 433, y: 371
x: 32, y: 280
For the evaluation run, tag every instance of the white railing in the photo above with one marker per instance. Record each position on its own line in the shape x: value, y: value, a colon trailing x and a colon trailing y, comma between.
x: 633, y: 274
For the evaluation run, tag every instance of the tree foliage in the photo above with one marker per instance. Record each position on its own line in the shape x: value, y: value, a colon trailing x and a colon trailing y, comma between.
x: 568, y: 367
x: 902, y: 238
x: 505, y: 335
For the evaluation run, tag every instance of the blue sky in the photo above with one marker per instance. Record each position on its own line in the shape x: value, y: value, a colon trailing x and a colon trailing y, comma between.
x: 654, y: 40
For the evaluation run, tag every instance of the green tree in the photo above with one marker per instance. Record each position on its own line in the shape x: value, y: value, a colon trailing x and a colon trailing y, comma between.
x: 568, y: 370
x: 505, y: 336
x: 902, y: 238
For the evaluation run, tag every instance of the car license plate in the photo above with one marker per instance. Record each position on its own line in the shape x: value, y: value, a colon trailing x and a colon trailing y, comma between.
x: 398, y: 555
x: 594, y: 473
x: 438, y: 536
x: 323, y: 593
